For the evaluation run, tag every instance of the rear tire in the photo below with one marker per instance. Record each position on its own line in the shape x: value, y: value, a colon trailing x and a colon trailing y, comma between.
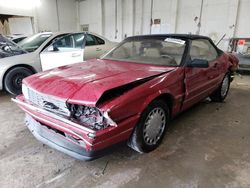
x: 13, y: 79
x: 151, y: 127
x: 221, y: 93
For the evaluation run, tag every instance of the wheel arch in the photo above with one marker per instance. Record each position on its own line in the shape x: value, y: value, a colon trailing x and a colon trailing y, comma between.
x: 15, y: 66
x: 169, y: 99
x: 134, y: 139
x: 166, y: 97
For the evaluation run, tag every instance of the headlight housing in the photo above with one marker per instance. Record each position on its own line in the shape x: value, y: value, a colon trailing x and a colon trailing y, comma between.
x: 90, y: 116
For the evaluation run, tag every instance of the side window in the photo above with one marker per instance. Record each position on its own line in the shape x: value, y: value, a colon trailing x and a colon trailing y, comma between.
x: 53, y: 40
x: 99, y: 40
x: 78, y: 39
x: 203, y: 49
x: 90, y: 40
x: 64, y: 43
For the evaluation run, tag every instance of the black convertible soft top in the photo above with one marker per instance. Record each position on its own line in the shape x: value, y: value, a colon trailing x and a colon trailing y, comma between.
x: 182, y: 36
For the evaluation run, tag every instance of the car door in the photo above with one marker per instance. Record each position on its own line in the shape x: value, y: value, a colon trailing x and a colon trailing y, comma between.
x: 64, y: 51
x: 200, y: 82
x: 94, y: 47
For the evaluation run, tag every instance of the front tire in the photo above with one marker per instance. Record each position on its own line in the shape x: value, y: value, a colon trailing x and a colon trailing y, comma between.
x: 221, y: 93
x: 13, y: 79
x: 151, y: 127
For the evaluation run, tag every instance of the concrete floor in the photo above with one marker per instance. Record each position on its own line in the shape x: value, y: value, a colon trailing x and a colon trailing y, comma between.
x: 207, y: 146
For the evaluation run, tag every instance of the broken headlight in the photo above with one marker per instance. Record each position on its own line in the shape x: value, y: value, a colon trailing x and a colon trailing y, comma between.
x: 25, y: 91
x: 90, y: 116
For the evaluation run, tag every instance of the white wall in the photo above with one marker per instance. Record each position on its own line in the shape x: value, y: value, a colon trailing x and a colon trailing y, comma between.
x: 67, y: 15
x: 20, y: 25
x: 18, y: 7
x: 47, y: 17
x: 109, y: 19
x: 243, y: 19
x: 44, y: 13
x: 91, y: 13
x: 219, y: 17
x: 187, y: 12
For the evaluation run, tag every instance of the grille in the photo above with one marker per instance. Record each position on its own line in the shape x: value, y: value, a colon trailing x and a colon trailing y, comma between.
x: 48, y: 103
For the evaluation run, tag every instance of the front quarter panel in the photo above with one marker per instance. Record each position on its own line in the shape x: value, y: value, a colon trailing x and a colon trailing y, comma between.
x: 134, y: 101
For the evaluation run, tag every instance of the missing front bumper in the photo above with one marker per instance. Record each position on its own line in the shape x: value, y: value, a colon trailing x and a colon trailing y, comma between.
x: 59, y: 142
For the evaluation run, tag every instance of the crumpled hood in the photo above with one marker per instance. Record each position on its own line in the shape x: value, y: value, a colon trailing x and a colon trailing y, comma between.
x: 84, y: 83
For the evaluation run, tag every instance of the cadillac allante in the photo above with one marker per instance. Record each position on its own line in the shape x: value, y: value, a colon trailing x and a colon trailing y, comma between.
x: 129, y: 95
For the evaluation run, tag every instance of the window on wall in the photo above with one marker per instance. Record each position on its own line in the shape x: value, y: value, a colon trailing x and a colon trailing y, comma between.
x: 203, y: 49
x: 85, y: 27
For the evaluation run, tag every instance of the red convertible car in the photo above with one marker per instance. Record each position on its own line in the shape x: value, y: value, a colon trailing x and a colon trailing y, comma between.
x: 130, y: 94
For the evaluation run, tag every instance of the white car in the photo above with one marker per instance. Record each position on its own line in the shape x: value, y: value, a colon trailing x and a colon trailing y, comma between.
x: 74, y: 48
x: 16, y: 37
x: 45, y: 51
x: 22, y: 60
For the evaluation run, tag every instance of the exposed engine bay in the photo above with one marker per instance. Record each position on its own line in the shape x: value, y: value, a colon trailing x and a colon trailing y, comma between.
x: 89, y: 116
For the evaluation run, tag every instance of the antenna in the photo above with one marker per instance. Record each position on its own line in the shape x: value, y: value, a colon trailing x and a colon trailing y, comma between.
x: 221, y: 39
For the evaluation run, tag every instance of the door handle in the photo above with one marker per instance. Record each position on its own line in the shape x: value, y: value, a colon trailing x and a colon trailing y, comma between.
x: 75, y: 55
x: 98, y: 49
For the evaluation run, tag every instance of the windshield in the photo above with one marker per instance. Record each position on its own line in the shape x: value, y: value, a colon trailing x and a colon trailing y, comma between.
x: 168, y: 51
x: 9, y: 48
x: 31, y: 43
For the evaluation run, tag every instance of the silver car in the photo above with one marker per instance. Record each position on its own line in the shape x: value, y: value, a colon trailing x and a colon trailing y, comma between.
x: 44, y: 51
x: 244, y: 64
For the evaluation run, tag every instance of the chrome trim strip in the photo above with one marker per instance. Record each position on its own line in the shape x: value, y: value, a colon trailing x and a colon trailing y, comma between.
x: 44, y: 112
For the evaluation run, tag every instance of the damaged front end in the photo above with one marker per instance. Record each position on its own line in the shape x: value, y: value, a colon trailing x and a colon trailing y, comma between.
x: 90, y: 116
x: 70, y: 128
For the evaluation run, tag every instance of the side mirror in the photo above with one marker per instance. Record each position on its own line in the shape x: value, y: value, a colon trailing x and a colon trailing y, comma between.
x: 199, y: 63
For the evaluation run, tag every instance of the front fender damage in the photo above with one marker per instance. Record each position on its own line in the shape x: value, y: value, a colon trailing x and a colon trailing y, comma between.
x: 118, y: 91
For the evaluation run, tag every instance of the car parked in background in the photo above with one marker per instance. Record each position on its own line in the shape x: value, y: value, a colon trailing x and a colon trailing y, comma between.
x: 244, y: 61
x: 74, y: 48
x: 15, y: 67
x: 16, y: 37
x: 47, y: 50
x: 8, y: 48
x: 241, y: 49
x: 130, y: 94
